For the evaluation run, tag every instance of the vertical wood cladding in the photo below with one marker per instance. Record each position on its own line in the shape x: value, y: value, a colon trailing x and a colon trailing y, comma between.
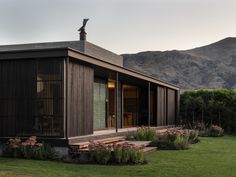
x: 171, y: 108
x: 80, y: 100
x: 16, y: 87
x: 153, y: 105
x: 161, y: 106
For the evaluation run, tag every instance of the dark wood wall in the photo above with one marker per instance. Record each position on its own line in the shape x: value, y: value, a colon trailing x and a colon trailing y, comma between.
x: 80, y: 99
x: 167, y: 100
x: 161, y: 106
x: 16, y: 87
x: 171, y: 107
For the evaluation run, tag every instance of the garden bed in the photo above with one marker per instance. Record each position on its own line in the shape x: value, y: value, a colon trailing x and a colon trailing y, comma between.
x: 212, y: 157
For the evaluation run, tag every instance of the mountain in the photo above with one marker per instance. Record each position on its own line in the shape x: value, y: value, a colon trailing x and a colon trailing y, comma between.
x: 210, y: 66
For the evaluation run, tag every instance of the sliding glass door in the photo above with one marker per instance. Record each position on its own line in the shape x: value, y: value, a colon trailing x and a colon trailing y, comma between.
x: 130, y: 106
x: 99, y: 111
x: 104, y: 104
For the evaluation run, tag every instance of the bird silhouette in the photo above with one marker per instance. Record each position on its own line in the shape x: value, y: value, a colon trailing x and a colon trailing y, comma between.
x: 84, y: 24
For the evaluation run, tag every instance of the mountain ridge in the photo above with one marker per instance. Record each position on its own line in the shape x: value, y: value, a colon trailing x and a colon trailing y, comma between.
x: 210, y: 66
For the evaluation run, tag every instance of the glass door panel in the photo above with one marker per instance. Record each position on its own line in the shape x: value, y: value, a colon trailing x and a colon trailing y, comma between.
x: 111, y: 119
x: 99, y: 110
x: 130, y: 106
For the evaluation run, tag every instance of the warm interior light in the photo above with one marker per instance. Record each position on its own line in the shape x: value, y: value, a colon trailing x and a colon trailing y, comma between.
x: 111, y: 85
x: 39, y: 84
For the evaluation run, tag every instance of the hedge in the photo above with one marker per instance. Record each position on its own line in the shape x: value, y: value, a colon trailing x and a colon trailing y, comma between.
x: 217, y: 106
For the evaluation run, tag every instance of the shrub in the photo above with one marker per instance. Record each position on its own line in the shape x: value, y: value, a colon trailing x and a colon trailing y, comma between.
x: 163, y: 144
x: 211, y: 131
x: 211, y: 106
x: 205, y: 132
x: 100, y: 152
x: 144, y: 134
x: 125, y: 155
x: 181, y: 142
x: 172, y: 139
x: 116, y: 154
x: 29, y: 149
x: 12, y: 148
x: 216, y: 131
x: 136, y: 156
x: 193, y: 136
x: 117, y: 150
x: 132, y: 154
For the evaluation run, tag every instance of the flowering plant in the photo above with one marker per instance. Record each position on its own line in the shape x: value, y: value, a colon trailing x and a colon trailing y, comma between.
x: 216, y: 130
x: 29, y: 149
x: 118, y: 153
x: 172, y: 139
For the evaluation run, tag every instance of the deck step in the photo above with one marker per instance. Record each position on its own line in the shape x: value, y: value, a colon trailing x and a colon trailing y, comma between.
x: 85, y: 145
x: 140, y: 143
x: 112, y: 140
x: 149, y: 149
x: 78, y: 148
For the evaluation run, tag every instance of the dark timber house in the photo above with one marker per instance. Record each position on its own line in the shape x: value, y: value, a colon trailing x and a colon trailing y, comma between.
x: 60, y: 91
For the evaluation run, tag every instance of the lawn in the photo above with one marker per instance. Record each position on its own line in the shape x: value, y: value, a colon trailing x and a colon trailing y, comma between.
x: 212, y: 157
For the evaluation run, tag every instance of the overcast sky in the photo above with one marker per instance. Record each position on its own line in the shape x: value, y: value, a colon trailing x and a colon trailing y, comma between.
x: 122, y: 26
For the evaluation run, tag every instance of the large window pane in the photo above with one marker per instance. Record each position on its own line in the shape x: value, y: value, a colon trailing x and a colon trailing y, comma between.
x: 49, y: 100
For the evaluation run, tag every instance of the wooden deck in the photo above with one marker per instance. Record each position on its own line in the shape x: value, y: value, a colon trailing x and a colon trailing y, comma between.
x: 103, y: 134
x: 144, y: 146
x: 109, y: 137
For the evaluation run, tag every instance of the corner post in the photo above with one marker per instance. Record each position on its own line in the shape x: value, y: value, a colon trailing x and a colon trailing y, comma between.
x: 177, y: 102
x: 149, y: 104
x: 66, y: 95
x: 117, y: 97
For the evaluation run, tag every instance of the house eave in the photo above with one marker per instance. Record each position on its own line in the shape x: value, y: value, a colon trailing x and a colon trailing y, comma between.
x: 70, y: 52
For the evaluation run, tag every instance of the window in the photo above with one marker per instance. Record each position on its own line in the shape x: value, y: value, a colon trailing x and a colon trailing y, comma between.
x: 49, y: 99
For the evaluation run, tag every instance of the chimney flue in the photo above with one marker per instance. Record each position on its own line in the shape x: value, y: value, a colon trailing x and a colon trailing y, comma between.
x: 82, y: 30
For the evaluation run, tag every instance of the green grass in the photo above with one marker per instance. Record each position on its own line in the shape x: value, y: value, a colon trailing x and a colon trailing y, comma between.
x: 212, y: 157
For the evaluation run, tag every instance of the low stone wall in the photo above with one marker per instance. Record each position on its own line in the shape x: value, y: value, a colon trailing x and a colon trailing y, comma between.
x: 62, y: 151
